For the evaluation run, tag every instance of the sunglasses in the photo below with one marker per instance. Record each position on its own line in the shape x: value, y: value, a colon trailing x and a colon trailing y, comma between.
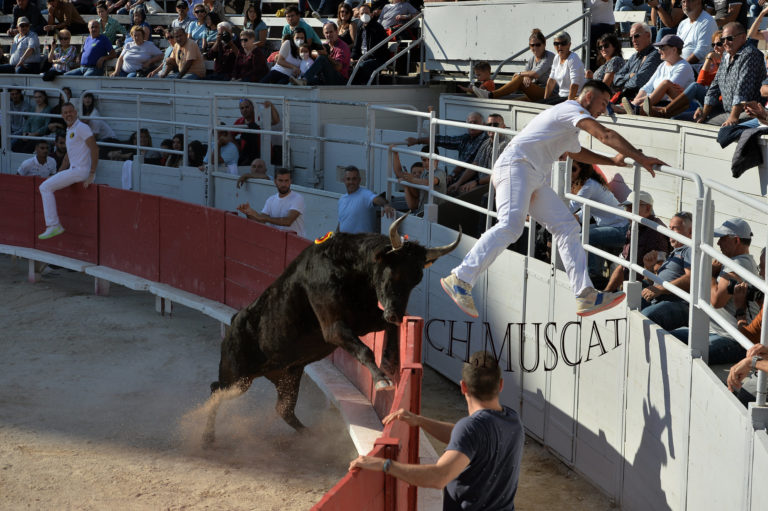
x: 636, y: 36
x: 534, y: 45
x: 493, y: 124
x: 718, y: 43
x: 730, y: 38
x: 560, y: 43
x: 604, y: 46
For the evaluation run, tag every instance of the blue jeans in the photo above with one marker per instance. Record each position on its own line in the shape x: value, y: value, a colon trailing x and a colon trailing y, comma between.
x: 188, y: 76
x: 10, y: 68
x: 322, y: 72
x: 722, y: 350
x: 609, y: 238
x: 86, y: 71
x: 668, y: 314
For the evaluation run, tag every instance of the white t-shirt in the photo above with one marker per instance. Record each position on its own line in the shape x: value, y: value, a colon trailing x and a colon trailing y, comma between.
x: 99, y: 128
x: 134, y: 56
x: 566, y: 73
x: 78, y: 151
x: 279, y: 207
x: 602, y: 12
x: 680, y: 73
x: 549, y: 135
x: 285, y: 52
x: 32, y: 167
x: 697, y: 36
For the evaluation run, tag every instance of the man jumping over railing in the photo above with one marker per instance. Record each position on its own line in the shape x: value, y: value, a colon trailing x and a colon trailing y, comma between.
x: 521, y: 178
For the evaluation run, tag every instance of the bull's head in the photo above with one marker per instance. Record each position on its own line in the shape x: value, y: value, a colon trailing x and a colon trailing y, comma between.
x: 400, y: 268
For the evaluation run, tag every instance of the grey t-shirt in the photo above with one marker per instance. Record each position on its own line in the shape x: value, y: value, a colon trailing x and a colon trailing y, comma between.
x: 541, y: 68
x: 729, y: 311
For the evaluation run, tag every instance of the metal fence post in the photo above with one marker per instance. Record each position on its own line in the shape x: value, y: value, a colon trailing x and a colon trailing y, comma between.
x: 701, y: 276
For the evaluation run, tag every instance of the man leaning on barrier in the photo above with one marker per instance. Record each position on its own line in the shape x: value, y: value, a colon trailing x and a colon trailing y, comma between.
x: 481, y: 463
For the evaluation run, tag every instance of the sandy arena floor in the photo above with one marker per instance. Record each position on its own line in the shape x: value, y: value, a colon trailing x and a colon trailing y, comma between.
x: 100, y: 408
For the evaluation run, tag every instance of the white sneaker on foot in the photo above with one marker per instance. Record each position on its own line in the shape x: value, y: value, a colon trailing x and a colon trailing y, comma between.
x: 461, y: 293
x: 592, y: 301
x: 50, y: 232
x: 480, y: 93
x: 629, y: 109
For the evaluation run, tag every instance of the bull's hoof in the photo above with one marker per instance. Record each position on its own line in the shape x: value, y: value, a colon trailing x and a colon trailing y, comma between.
x: 385, y: 384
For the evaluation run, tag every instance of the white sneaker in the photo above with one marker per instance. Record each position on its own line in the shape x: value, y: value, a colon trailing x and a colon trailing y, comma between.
x: 480, y: 93
x: 50, y: 232
x: 461, y: 293
x: 629, y: 108
x: 592, y: 301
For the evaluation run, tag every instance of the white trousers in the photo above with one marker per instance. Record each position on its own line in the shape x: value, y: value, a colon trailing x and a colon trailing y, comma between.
x: 520, y: 190
x: 56, y: 182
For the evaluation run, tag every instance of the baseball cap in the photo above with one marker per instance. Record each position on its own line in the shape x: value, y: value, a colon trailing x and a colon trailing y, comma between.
x: 734, y: 227
x: 23, y: 20
x: 670, y: 40
x: 642, y: 195
x: 181, y: 3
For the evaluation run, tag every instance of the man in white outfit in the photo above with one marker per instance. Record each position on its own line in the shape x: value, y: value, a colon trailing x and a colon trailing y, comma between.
x: 83, y: 157
x: 521, y: 178
x: 283, y: 210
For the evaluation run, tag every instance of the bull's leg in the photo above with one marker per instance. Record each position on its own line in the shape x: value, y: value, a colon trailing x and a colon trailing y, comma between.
x: 287, y: 384
x: 390, y: 362
x: 219, y: 394
x: 339, y: 334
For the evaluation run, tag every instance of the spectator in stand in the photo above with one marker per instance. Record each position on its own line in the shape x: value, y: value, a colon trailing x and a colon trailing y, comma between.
x: 40, y: 165
x: 482, y: 71
x: 728, y: 11
x: 357, y: 207
x: 666, y: 15
x: 211, y: 33
x: 249, y: 144
x: 467, y: 145
x: 29, y: 10
x: 659, y: 305
x: 258, y: 170
x: 630, y: 5
x: 395, y: 14
x: 96, y: 51
x: 182, y: 21
x: 108, y: 27
x: 177, y: 144
x: 369, y: 34
x: 305, y: 55
x: 648, y: 240
x: 197, y: 29
x: 481, y: 463
x: 693, y: 95
x: 250, y: 64
x: 63, y: 14
x: 224, y: 52
x: 470, y: 179
x: 415, y: 198
x: 533, y: 80
x: 215, y: 7
x: 139, y: 16
x: 737, y: 80
x: 163, y: 68
x: 228, y: 155
x: 59, y: 149
x: 186, y: 61
x: 195, y: 153
x: 670, y: 79
x: 34, y: 126
x: 601, y: 23
x: 610, y: 60
x: 25, y: 51
x: 696, y: 31
x: 287, y: 64
x: 332, y: 69
x: 18, y: 104
x: 347, y: 28
x: 607, y: 230
x: 283, y: 210
x: 293, y: 21
x: 641, y: 65
x: 254, y: 22
x: 754, y: 31
x: 567, y: 74
x: 148, y: 155
x: 735, y: 237
x: 138, y: 57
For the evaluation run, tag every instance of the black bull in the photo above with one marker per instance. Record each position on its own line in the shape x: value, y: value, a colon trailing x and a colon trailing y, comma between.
x: 326, y: 298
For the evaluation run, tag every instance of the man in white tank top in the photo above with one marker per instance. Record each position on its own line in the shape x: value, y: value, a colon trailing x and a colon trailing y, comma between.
x: 521, y: 179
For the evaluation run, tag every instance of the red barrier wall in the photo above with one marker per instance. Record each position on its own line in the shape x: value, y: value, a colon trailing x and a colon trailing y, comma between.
x: 294, y: 246
x: 192, y: 248
x: 254, y: 258
x: 17, y: 210
x: 129, y: 232
x: 78, y: 210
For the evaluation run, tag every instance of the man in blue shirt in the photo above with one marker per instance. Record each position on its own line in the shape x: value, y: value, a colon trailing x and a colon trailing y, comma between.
x: 96, y: 51
x: 357, y: 208
x: 481, y: 463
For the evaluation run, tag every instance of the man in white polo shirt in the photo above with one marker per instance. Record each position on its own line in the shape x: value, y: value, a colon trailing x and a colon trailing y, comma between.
x: 83, y: 157
x: 40, y: 164
x: 284, y: 210
x: 521, y: 178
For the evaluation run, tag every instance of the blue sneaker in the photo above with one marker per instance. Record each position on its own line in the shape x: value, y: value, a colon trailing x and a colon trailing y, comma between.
x: 461, y: 293
x: 592, y: 301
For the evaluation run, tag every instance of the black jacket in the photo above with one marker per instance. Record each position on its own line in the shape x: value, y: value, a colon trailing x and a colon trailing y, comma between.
x: 373, y: 33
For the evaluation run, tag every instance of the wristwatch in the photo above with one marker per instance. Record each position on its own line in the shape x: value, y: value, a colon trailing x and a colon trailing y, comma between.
x: 755, y: 360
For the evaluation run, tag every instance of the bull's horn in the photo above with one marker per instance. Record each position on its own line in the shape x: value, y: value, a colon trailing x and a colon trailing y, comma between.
x: 394, y: 236
x: 436, y: 252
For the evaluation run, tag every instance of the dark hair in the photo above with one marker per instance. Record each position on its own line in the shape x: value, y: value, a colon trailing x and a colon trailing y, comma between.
x: 482, y: 66
x: 167, y: 142
x: 59, y: 134
x: 613, y: 41
x: 596, y: 85
x: 538, y: 35
x: 292, y: 9
x: 351, y: 168
x: 43, y: 142
x: 417, y: 164
x: 44, y: 95
x: 281, y: 171
x: 255, y: 22
x: 482, y: 376
x: 86, y: 109
x: 300, y: 29
x: 198, y: 149
x: 586, y: 172
x: 101, y: 4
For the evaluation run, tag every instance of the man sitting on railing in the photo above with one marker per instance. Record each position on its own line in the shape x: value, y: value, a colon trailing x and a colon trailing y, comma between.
x: 659, y: 305
x: 735, y: 236
x: 369, y: 34
x: 481, y: 463
x: 467, y: 145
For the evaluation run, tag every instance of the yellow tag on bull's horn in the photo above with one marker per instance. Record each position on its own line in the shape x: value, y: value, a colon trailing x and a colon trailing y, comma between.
x: 324, y: 238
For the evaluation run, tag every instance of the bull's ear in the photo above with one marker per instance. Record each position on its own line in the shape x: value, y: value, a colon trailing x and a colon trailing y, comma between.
x: 379, y: 255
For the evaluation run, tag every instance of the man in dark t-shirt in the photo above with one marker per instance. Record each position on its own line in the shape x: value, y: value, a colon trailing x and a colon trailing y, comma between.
x: 480, y: 467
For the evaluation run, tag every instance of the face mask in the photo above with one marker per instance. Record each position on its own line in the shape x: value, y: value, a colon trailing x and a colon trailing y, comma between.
x: 304, y: 56
x: 298, y: 42
x: 365, y: 18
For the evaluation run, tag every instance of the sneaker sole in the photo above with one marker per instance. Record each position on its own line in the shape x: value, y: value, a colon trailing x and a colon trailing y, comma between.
x: 603, y: 307
x: 465, y: 311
